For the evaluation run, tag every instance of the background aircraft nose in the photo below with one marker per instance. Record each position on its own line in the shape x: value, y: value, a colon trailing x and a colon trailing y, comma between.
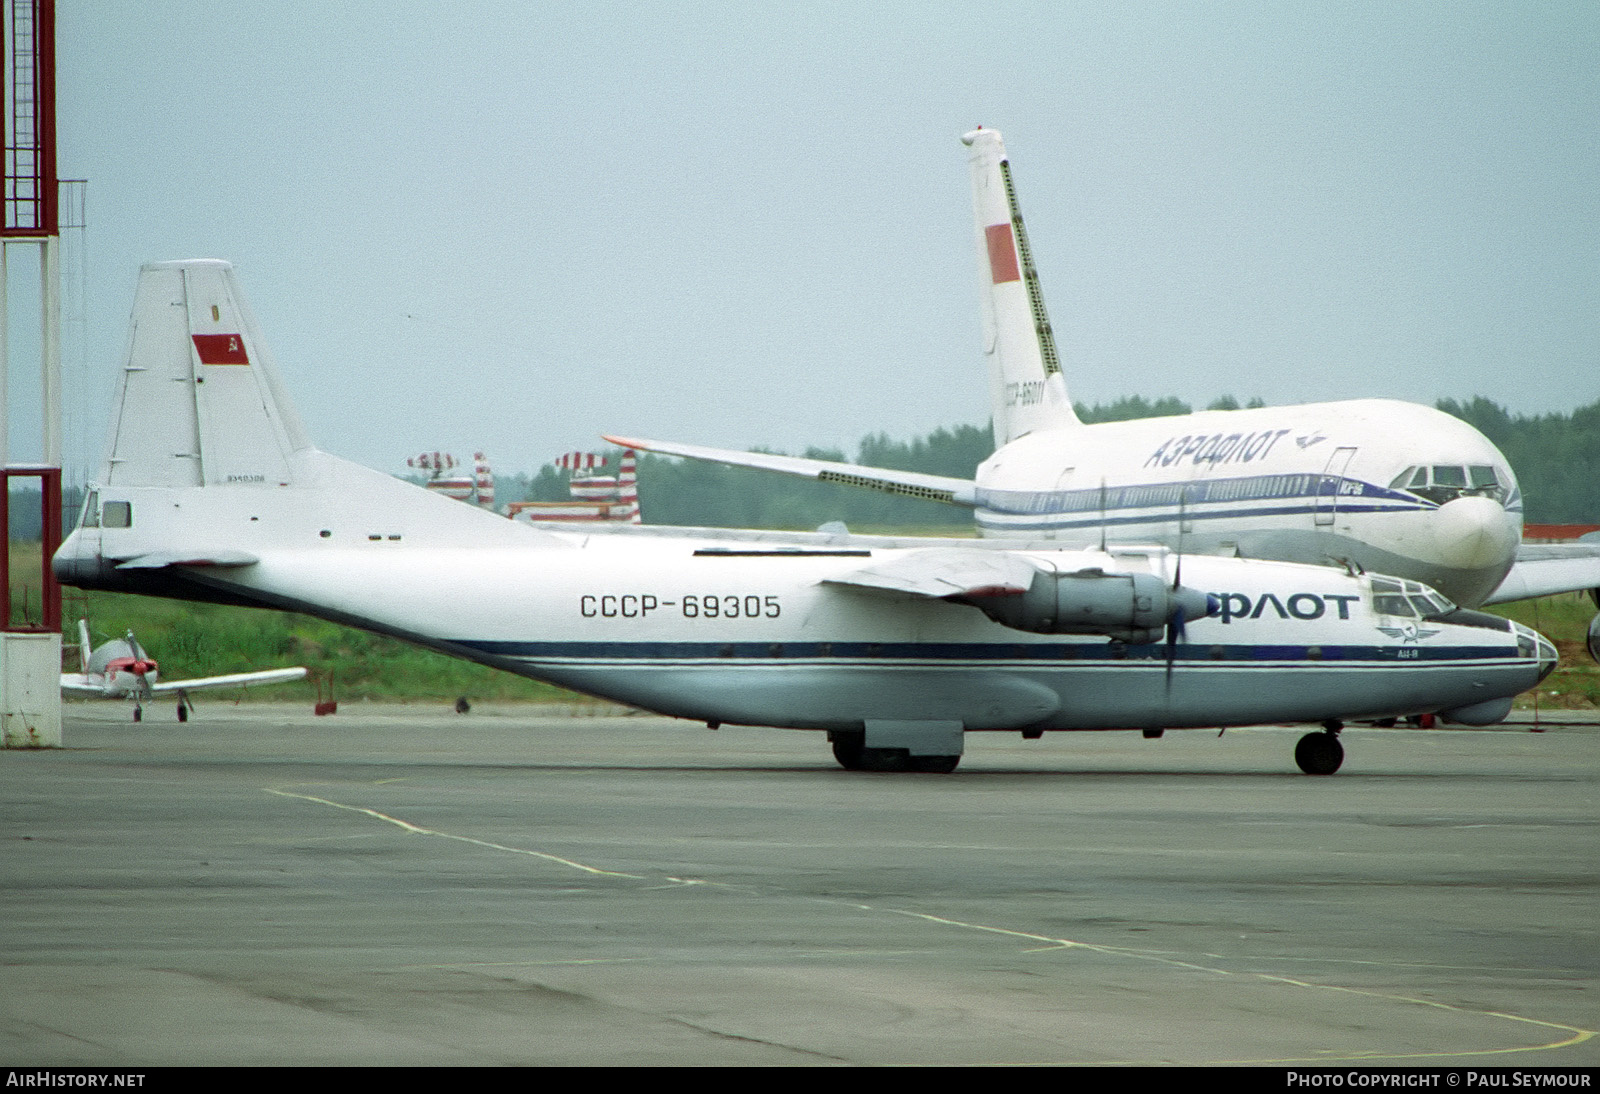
x: 1474, y: 533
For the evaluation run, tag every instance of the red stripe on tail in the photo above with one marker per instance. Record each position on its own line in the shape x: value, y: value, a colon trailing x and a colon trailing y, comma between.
x: 1002, y: 254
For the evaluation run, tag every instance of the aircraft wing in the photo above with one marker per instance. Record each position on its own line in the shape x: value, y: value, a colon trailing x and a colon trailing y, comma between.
x: 267, y: 676
x: 945, y: 572
x: 1543, y: 569
x: 909, y: 484
x: 78, y: 685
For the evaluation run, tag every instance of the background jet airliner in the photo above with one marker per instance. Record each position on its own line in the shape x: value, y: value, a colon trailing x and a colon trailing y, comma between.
x: 120, y: 669
x: 1382, y: 485
x: 211, y: 490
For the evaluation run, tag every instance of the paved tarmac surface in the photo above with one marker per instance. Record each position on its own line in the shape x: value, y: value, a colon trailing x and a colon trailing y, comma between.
x: 403, y: 885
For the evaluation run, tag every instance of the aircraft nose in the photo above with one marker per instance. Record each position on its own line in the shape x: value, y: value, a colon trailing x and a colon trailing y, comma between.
x: 1547, y: 656
x: 1474, y: 533
x: 1533, y: 645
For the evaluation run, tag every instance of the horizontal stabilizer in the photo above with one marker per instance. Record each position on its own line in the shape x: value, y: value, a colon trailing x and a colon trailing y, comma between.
x: 237, y: 679
x: 1547, y: 569
x: 942, y: 573
x: 156, y: 560
x: 908, y: 484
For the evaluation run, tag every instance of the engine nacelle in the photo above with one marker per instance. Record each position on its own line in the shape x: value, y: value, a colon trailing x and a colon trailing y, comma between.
x: 1594, y: 639
x: 1132, y: 607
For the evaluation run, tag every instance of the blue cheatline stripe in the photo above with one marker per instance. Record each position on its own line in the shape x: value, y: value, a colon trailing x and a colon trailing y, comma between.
x: 936, y: 652
x: 1167, y: 516
x: 1170, y: 496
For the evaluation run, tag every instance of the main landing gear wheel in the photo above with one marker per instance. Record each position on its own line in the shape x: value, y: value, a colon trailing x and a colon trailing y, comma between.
x: 855, y: 756
x: 1319, y: 753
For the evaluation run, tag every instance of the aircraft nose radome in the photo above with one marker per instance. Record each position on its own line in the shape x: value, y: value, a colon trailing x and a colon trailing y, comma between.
x: 1474, y: 533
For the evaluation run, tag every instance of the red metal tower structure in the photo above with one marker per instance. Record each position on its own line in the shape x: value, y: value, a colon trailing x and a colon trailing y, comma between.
x: 29, y: 33
x: 31, y: 213
x: 30, y: 647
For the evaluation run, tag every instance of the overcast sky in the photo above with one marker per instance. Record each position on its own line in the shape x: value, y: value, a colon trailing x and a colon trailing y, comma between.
x: 511, y: 226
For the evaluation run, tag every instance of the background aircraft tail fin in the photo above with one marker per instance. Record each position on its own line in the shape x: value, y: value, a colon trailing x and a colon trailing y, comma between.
x: 199, y: 402
x: 1026, y: 388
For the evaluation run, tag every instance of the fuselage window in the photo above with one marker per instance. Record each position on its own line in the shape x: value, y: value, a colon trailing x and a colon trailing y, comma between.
x: 117, y: 514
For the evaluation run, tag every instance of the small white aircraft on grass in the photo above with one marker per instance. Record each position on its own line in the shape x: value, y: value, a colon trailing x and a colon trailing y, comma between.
x: 1386, y: 486
x: 897, y: 648
x: 120, y: 669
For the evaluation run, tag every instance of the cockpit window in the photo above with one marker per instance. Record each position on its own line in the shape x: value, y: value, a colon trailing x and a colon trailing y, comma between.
x: 90, y: 517
x: 1411, y: 599
x: 1388, y: 597
x: 117, y: 514
x: 1446, y: 482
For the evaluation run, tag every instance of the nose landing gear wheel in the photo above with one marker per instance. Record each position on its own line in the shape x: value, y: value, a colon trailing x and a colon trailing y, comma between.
x: 1319, y: 753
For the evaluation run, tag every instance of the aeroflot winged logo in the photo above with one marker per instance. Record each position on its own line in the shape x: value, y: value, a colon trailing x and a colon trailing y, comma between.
x: 1409, y: 633
x: 220, y: 349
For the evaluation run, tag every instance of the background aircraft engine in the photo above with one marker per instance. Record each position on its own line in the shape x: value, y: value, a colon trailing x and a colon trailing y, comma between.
x: 1594, y: 638
x: 1132, y: 607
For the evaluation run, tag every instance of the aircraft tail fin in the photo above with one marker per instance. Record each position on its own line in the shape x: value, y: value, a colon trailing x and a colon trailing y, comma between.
x: 1026, y: 389
x: 199, y: 402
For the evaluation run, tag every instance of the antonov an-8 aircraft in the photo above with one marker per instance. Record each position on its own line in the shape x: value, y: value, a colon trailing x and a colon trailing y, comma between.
x: 211, y: 490
x: 1374, y: 484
